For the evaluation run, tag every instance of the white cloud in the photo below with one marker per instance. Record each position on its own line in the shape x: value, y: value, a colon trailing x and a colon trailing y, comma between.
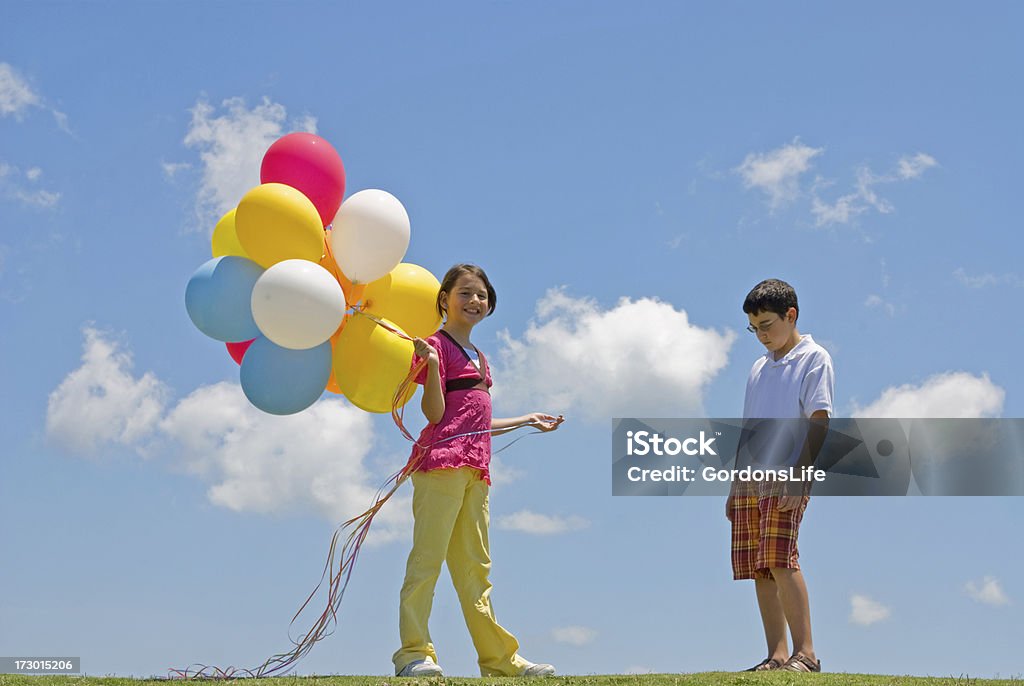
x: 255, y: 462
x: 851, y: 205
x: 676, y: 240
x: 865, y: 611
x: 171, y: 169
x: 16, y: 95
x: 231, y: 145
x: 985, y: 280
x: 62, y: 121
x: 777, y: 173
x: 306, y: 122
x: 840, y: 212
x: 975, y: 281
x: 864, y: 198
x: 502, y: 472
x: 541, y: 524
x: 574, y: 635
x: 637, y: 669
x: 12, y: 186
x: 865, y: 190
x: 913, y: 167
x: 249, y: 461
x: 42, y: 199
x: 876, y: 301
x: 641, y: 358
x: 102, y: 402
x: 988, y: 591
x: 946, y: 395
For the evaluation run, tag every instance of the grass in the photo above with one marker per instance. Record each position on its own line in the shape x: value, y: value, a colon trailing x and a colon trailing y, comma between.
x: 702, y: 679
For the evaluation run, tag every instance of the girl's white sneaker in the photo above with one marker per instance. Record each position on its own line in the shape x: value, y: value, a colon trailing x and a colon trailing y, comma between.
x: 424, y: 667
x: 532, y: 669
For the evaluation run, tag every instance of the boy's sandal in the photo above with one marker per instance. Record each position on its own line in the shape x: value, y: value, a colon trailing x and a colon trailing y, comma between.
x: 766, y: 665
x: 801, y: 663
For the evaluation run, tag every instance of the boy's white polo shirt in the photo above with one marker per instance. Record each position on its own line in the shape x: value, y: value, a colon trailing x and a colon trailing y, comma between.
x: 799, y: 384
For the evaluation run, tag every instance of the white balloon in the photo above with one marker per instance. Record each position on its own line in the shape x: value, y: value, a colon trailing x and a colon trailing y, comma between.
x: 297, y: 304
x: 370, y: 235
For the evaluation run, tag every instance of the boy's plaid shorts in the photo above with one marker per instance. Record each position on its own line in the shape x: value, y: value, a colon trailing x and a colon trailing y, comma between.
x: 763, y: 538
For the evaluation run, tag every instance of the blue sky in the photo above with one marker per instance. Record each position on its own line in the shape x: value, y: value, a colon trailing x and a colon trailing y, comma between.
x: 625, y: 174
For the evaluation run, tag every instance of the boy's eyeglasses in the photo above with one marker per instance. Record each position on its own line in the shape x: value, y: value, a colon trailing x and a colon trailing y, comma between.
x: 762, y: 328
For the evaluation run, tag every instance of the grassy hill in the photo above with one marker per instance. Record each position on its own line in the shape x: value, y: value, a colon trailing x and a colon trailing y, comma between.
x: 703, y: 679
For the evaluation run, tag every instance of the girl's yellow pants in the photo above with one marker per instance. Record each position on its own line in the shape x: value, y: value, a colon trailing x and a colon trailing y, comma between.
x: 450, y: 508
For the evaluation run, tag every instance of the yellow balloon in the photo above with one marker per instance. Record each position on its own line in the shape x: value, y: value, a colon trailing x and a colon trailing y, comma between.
x: 275, y: 222
x: 408, y: 297
x: 225, y: 240
x: 370, y: 363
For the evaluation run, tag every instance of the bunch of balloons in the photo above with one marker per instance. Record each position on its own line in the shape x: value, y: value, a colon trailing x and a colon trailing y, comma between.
x: 293, y: 273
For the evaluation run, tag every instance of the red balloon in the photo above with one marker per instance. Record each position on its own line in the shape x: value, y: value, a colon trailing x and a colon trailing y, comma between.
x: 309, y: 164
x: 237, y: 350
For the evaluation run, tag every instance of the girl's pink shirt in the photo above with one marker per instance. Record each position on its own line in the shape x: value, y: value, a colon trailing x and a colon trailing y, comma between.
x: 464, y: 412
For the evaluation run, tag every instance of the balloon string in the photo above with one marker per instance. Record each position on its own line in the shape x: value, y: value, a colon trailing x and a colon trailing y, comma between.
x: 398, y: 404
x: 383, y: 324
x: 337, y: 580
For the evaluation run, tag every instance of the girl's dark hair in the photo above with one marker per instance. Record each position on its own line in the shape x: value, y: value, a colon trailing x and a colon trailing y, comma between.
x: 448, y: 283
x: 771, y: 295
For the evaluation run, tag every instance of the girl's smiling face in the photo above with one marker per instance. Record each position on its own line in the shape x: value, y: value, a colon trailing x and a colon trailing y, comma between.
x: 466, y: 302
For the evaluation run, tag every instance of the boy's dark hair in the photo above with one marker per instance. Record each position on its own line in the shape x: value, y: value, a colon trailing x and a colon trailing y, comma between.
x: 771, y: 295
x: 448, y: 283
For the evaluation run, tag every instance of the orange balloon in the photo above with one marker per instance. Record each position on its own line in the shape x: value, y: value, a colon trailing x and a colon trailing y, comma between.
x: 332, y: 383
x: 353, y: 291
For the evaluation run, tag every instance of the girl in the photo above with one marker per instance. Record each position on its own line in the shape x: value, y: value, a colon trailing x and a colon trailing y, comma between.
x: 450, y: 486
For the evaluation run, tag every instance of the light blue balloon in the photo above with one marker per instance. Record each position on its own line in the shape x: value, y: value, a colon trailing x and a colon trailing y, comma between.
x: 282, y: 381
x: 219, y: 298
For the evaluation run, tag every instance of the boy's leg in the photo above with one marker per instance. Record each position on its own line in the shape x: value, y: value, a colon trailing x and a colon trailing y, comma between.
x: 795, y: 605
x: 778, y: 553
x: 469, y: 562
x: 773, y: 618
x: 745, y: 517
x: 436, y: 501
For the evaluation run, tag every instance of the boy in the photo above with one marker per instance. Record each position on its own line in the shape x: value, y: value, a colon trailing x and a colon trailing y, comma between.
x: 793, y: 380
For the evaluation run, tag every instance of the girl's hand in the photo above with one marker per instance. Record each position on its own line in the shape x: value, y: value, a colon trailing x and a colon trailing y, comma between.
x: 424, y: 350
x: 544, y: 422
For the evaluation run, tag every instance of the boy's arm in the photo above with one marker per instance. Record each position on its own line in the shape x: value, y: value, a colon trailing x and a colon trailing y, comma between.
x: 816, y: 433
x: 815, y: 437
x: 817, y: 390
